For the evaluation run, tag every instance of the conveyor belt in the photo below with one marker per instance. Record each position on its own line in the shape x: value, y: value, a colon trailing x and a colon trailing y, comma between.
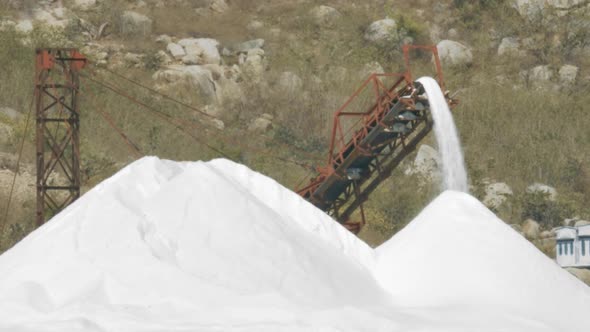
x: 384, y: 135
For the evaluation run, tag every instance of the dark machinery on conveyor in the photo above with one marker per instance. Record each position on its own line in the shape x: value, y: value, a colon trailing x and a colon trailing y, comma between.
x: 369, y: 140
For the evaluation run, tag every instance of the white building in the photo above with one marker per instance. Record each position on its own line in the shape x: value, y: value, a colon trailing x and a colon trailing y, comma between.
x: 573, y: 246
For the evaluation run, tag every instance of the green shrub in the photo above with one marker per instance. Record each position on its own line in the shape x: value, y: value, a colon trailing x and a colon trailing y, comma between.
x: 410, y: 27
x: 549, y: 213
x: 576, y: 176
x: 286, y: 135
x: 152, y: 60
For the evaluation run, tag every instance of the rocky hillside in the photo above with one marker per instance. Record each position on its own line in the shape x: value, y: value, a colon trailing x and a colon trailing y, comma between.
x: 271, y: 73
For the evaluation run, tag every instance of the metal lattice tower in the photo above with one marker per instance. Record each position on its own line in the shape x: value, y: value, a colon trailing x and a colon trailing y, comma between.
x: 57, y: 129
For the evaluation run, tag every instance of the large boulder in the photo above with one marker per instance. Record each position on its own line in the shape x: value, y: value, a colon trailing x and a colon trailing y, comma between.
x: 191, y: 46
x: 261, y: 124
x: 529, y: 8
x: 540, y: 76
x: 48, y: 17
x: 202, y: 79
x: 382, y: 31
x: 197, y: 77
x: 217, y: 71
x: 5, y: 136
x: 24, y: 26
x: 135, y: 24
x: 229, y: 91
x: 220, y: 125
x: 543, y: 188
x: 176, y: 50
x: 325, y: 16
x: 568, y: 75
x: 9, y: 113
x: 164, y: 39
x: 255, y: 25
x: 582, y: 223
x: 218, y: 6
x: 248, y: 45
x: 531, y: 229
x: 254, y: 65
x: 454, y: 53
x: 133, y: 58
x: 60, y: 12
x: 102, y: 57
x: 205, y: 48
x: 496, y: 194
x: 569, y: 221
x: 192, y: 59
x: 567, y: 4
x: 533, y: 9
x: 509, y: 46
x: 84, y: 4
x: 164, y: 58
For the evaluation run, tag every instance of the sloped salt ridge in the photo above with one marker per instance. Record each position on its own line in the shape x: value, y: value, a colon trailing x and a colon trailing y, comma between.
x: 295, y: 209
x: 183, y: 245
x: 458, y: 253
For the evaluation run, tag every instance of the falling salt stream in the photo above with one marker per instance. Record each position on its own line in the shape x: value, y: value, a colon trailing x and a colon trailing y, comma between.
x: 449, y: 145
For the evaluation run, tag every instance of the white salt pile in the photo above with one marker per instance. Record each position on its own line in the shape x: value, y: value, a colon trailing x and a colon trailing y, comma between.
x: 447, y: 138
x: 458, y: 254
x: 188, y: 246
x: 166, y: 246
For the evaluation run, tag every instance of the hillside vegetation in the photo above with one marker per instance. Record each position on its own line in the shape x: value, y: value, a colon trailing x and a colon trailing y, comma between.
x: 524, y: 92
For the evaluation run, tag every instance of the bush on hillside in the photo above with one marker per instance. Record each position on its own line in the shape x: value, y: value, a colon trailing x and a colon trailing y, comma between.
x: 549, y: 213
x: 576, y: 175
x: 152, y: 60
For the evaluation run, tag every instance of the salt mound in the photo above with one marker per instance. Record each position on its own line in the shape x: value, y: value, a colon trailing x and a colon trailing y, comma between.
x: 457, y: 253
x: 188, y: 246
x: 167, y: 246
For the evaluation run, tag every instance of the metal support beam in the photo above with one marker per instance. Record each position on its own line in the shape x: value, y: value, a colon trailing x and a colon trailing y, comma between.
x: 376, y: 128
x: 57, y: 129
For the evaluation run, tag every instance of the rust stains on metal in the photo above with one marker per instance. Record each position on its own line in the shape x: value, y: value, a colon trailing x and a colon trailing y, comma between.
x: 373, y: 131
x: 57, y: 129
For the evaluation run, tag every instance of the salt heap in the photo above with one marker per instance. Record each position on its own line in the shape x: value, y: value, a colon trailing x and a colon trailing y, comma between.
x: 166, y: 246
x: 189, y: 246
x: 457, y: 255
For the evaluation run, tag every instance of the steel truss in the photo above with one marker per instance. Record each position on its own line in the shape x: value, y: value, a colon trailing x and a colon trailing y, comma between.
x: 364, y: 154
x: 57, y: 129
